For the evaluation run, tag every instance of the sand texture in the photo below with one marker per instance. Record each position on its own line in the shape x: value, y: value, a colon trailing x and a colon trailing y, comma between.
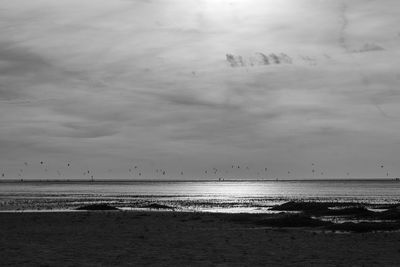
x: 116, y: 238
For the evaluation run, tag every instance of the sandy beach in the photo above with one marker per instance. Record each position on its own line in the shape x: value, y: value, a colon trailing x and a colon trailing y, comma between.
x: 116, y: 238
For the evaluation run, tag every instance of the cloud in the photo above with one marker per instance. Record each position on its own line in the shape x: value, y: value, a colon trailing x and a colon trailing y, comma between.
x: 260, y: 59
x: 83, y: 130
x: 108, y: 81
x: 16, y: 60
x: 17, y: 67
x: 369, y: 47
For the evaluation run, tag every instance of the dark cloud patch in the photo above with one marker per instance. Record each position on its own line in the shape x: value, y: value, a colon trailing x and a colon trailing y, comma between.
x: 26, y: 75
x: 10, y: 146
x: 186, y: 99
x: 390, y: 95
x: 303, y: 113
x: 16, y: 61
x: 88, y: 130
x: 93, y: 109
x: 221, y: 130
x: 369, y: 47
x: 332, y: 131
x: 259, y: 59
x: 19, y: 68
x: 6, y: 94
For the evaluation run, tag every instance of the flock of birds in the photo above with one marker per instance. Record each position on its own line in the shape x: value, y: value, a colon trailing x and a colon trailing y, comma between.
x: 136, y: 171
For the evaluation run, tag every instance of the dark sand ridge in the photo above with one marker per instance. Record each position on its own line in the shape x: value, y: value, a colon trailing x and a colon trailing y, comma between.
x: 182, y: 239
x: 309, y: 214
x: 355, y: 211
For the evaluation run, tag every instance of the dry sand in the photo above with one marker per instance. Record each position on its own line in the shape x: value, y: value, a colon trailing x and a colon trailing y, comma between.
x: 116, y: 238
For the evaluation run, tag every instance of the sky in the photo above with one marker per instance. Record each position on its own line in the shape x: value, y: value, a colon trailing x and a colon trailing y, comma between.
x: 199, y: 89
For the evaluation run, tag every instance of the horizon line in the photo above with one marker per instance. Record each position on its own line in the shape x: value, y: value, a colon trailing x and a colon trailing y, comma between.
x: 108, y: 180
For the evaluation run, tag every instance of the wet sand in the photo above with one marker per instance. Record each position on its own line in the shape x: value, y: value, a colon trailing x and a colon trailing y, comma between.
x: 181, y: 239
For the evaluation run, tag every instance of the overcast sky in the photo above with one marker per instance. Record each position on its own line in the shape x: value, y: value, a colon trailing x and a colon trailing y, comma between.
x: 191, y: 85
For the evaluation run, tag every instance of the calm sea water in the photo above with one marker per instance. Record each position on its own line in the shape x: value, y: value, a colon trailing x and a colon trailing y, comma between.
x: 228, y: 196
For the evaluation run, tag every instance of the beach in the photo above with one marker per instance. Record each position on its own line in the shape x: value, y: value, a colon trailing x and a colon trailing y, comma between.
x: 167, y: 238
x: 199, y: 133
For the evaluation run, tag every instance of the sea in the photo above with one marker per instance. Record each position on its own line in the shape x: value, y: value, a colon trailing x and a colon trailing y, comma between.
x: 205, y: 196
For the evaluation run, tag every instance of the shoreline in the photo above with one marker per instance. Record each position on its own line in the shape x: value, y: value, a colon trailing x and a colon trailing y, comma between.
x: 345, y: 217
x: 105, y: 180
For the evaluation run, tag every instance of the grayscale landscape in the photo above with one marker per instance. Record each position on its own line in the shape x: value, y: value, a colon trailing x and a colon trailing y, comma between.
x: 199, y: 133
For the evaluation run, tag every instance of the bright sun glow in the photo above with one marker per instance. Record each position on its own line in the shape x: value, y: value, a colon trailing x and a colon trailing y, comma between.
x: 223, y: 9
x: 230, y: 12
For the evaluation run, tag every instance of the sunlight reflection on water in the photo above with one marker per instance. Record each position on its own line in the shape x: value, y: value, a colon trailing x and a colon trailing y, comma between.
x: 228, y: 196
